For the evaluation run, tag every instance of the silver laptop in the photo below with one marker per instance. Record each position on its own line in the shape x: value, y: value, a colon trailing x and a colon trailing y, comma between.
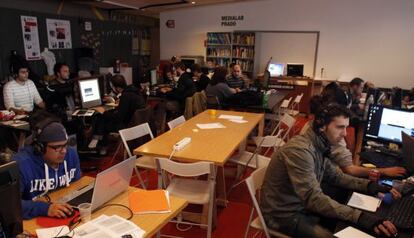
x: 408, y: 151
x: 108, y: 184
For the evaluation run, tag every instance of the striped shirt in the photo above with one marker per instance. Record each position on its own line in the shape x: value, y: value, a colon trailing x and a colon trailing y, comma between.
x: 21, y: 96
x: 235, y: 82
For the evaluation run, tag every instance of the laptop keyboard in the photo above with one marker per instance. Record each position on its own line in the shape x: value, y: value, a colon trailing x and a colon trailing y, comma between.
x: 401, y: 213
x: 82, y: 198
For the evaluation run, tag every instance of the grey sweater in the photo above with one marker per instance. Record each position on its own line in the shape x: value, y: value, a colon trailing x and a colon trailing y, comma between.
x: 292, y: 181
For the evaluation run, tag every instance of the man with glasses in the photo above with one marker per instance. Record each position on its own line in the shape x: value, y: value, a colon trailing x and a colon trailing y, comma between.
x: 20, y: 95
x: 46, y: 165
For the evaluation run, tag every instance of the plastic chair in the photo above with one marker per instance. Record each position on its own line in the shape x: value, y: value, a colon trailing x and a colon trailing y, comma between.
x: 134, y: 133
x: 176, y: 122
x: 294, y: 106
x: 194, y: 191
x: 254, y: 184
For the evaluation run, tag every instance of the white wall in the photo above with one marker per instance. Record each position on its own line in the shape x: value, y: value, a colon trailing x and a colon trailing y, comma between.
x: 371, y: 39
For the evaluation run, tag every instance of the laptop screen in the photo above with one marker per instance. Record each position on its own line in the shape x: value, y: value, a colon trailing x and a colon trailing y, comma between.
x: 90, y: 94
x: 275, y: 70
x: 386, y: 124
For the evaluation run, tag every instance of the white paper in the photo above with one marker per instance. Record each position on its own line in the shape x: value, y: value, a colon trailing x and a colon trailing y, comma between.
x: 30, y: 37
x: 364, y: 202
x: 211, y: 126
x: 58, y: 34
x: 352, y: 232
x: 238, y: 121
x: 108, y: 226
x: 230, y: 117
x: 52, y: 232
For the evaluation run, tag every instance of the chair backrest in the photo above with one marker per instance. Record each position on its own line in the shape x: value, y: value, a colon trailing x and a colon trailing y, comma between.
x: 133, y: 133
x: 284, y: 126
x: 176, y: 122
x: 285, y: 103
x: 141, y: 116
x: 254, y: 183
x: 185, y: 169
x: 298, y: 98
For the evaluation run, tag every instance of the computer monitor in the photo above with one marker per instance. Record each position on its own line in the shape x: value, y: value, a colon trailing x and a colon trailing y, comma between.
x: 386, y: 124
x: 294, y: 70
x: 10, y: 200
x: 275, y: 69
x: 90, y: 93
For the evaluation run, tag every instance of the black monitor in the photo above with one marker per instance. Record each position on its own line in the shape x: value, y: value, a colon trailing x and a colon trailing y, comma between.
x: 10, y: 200
x: 386, y: 124
x: 294, y: 70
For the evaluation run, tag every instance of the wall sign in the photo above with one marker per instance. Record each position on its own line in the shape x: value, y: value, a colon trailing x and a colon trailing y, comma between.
x: 30, y: 37
x: 231, y: 20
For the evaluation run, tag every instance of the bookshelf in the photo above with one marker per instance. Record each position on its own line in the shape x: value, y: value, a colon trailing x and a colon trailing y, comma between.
x: 224, y: 48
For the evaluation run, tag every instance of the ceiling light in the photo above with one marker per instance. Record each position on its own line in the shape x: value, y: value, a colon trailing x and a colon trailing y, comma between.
x: 193, y: 2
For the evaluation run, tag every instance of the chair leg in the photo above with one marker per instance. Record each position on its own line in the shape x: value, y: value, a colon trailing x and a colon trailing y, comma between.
x: 118, y: 148
x: 139, y: 178
x: 248, y: 223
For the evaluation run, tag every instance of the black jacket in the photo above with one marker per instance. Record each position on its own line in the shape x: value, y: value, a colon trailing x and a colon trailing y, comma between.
x: 202, y: 83
x: 130, y: 100
x: 185, y: 88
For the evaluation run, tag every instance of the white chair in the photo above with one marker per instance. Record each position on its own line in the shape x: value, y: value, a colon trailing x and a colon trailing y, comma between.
x: 278, y: 113
x: 134, y: 133
x: 176, y: 122
x: 281, y: 132
x: 294, y: 106
x: 254, y: 184
x: 194, y: 191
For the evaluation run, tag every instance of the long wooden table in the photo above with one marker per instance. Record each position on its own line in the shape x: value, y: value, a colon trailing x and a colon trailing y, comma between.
x: 150, y: 223
x: 211, y: 145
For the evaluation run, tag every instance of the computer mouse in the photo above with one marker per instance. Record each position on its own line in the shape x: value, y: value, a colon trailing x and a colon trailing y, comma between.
x: 69, y: 214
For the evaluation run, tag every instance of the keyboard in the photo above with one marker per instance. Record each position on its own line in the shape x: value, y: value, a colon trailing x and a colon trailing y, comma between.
x: 400, y: 212
x: 380, y: 160
x: 82, y: 198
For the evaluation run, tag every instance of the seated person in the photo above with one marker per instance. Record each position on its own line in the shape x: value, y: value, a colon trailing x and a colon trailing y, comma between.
x: 202, y: 79
x: 46, y: 165
x: 115, y: 120
x: 236, y: 79
x: 62, y: 73
x: 218, y: 86
x: 292, y: 200
x: 185, y: 88
x: 20, y: 95
x: 354, y: 93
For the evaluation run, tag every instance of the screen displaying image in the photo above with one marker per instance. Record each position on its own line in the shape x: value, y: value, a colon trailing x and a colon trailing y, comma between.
x: 275, y: 69
x: 89, y: 90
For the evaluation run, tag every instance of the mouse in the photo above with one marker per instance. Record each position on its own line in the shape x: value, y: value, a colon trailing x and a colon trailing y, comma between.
x: 70, y: 214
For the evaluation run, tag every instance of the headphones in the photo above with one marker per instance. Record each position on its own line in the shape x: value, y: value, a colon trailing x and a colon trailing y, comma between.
x: 39, y: 147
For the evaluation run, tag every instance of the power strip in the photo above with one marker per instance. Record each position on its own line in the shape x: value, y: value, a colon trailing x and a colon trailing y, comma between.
x: 182, y: 143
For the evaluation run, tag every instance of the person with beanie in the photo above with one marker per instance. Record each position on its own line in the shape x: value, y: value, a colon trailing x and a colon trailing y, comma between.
x: 46, y: 165
x: 20, y: 95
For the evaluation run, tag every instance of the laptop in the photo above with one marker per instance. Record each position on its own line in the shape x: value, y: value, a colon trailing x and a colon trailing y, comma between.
x: 90, y: 96
x: 108, y: 184
x: 408, y: 151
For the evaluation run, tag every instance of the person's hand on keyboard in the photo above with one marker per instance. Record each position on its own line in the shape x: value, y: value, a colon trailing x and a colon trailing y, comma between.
x: 394, y: 172
x: 395, y: 194
x: 373, y: 222
x: 59, y: 210
x: 101, y: 110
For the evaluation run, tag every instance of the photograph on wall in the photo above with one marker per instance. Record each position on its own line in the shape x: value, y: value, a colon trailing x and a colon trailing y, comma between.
x: 58, y: 34
x: 30, y: 37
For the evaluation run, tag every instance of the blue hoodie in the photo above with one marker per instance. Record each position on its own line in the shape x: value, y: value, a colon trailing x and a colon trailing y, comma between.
x: 33, y: 180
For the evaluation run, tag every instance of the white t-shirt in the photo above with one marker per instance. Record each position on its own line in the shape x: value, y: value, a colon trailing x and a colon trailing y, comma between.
x: 21, y: 96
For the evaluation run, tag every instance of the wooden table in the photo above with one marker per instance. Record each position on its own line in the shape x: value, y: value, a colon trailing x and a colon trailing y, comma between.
x: 150, y: 223
x: 212, y: 145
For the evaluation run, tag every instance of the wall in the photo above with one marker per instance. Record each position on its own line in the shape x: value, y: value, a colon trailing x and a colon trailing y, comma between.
x: 370, y: 38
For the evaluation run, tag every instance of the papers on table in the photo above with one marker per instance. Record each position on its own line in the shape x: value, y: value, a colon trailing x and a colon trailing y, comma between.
x: 230, y: 117
x: 52, y: 232
x: 108, y: 226
x: 15, y: 123
x: 364, y: 202
x: 149, y: 201
x: 238, y: 121
x: 352, y: 232
x: 211, y: 126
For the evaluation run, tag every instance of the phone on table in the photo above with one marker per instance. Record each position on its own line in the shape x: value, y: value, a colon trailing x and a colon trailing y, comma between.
x: 386, y: 182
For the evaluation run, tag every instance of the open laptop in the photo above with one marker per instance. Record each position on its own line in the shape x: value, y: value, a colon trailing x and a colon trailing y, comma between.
x: 408, y: 151
x: 90, y: 96
x: 108, y: 184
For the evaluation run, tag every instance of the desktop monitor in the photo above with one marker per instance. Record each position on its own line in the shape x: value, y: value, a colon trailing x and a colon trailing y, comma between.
x: 275, y: 69
x: 90, y: 93
x: 10, y: 200
x: 386, y: 124
x: 294, y: 70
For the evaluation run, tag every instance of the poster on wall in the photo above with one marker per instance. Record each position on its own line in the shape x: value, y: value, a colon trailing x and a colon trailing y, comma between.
x: 30, y: 37
x: 58, y: 34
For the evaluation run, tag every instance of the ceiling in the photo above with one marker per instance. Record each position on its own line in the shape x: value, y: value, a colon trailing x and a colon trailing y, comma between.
x: 151, y: 7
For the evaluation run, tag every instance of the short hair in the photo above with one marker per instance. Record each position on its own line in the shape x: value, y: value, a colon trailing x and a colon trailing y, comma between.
x: 58, y: 66
x: 118, y: 81
x: 20, y: 65
x: 196, y: 68
x: 326, y: 113
x: 179, y: 65
x: 356, y: 81
x: 333, y: 93
x: 219, y: 75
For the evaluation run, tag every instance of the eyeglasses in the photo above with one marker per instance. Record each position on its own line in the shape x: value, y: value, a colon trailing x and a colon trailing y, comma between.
x: 58, y: 148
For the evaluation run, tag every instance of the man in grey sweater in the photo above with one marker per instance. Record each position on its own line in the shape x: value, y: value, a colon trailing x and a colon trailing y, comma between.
x: 292, y: 198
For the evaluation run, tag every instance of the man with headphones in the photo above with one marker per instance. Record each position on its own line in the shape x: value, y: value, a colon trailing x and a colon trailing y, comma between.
x: 46, y: 165
x: 292, y: 199
x: 20, y: 95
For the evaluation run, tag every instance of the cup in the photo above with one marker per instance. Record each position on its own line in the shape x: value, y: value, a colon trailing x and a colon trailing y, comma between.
x: 85, y: 211
x: 212, y: 113
x: 398, y: 185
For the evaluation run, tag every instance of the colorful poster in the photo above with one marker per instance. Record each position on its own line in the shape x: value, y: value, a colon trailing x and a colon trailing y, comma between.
x: 30, y: 37
x: 58, y: 34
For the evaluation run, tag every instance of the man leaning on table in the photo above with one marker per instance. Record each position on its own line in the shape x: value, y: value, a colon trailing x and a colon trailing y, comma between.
x: 46, y: 165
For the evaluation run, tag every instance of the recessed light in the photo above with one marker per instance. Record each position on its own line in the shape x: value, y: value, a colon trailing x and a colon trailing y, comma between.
x: 193, y: 2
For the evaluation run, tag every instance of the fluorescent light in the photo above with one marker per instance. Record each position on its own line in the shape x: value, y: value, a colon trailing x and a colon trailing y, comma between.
x: 121, y: 4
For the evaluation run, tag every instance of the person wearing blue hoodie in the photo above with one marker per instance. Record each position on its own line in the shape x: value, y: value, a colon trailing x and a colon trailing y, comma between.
x: 46, y: 165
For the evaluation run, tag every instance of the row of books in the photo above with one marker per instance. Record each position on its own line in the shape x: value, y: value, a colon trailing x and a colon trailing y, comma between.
x: 220, y: 61
x: 218, y: 38
x: 243, y: 52
x: 218, y: 52
x: 246, y: 66
x: 243, y: 39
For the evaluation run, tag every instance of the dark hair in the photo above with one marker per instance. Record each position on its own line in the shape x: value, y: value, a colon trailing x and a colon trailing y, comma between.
x: 58, y: 66
x: 356, y: 81
x: 180, y: 65
x: 219, y: 75
x: 315, y: 103
x: 20, y: 65
x: 333, y: 93
x: 196, y: 68
x: 327, y: 112
x: 118, y: 81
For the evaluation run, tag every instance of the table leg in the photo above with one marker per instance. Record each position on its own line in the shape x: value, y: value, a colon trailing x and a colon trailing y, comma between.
x: 221, y: 196
x: 22, y: 138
